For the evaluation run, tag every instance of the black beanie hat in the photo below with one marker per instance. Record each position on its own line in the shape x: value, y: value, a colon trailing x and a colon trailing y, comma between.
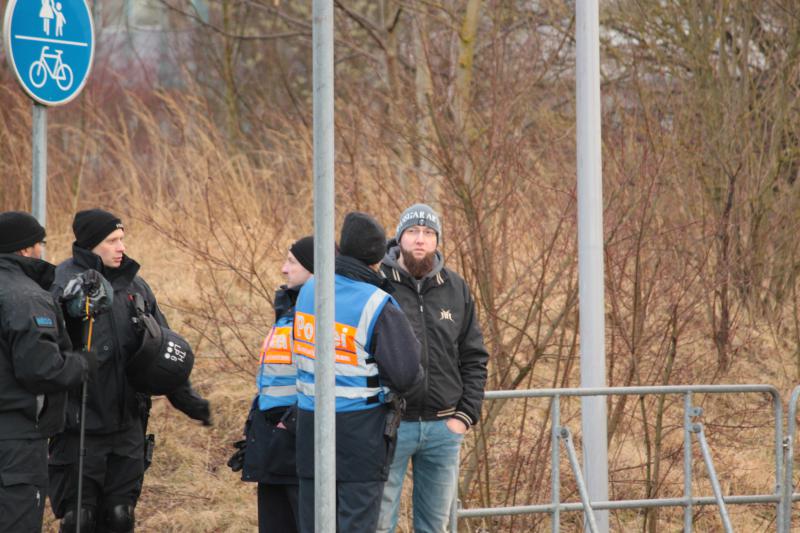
x: 303, y: 251
x: 92, y: 226
x: 19, y: 230
x: 362, y: 238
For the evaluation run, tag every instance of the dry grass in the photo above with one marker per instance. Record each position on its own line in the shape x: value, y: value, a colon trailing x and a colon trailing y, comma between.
x: 210, y: 219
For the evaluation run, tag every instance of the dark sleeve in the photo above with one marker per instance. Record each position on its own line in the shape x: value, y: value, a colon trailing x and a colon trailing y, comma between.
x: 396, y: 350
x: 41, y: 353
x: 152, y: 306
x: 74, y: 326
x: 186, y: 400
x: 473, y: 358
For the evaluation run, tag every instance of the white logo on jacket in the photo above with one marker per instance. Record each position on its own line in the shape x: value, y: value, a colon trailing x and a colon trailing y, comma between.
x: 446, y: 314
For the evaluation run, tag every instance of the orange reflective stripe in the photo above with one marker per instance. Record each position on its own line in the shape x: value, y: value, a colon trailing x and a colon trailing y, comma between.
x: 344, y: 338
x: 304, y: 327
x: 277, y: 347
x: 346, y: 358
x: 263, y: 353
x: 304, y: 348
x: 279, y: 350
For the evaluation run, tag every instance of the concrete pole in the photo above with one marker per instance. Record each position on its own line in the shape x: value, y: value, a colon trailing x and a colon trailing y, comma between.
x: 590, y: 253
x: 325, y: 398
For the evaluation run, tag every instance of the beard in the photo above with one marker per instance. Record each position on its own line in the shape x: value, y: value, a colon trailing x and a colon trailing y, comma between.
x: 418, y: 268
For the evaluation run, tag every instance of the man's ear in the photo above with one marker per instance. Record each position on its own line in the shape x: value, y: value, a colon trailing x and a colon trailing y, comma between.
x: 25, y: 252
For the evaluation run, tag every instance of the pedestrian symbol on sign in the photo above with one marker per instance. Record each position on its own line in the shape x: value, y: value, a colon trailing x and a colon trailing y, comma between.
x: 46, y: 14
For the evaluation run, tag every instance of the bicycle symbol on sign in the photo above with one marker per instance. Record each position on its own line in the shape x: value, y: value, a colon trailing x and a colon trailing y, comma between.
x: 40, y: 70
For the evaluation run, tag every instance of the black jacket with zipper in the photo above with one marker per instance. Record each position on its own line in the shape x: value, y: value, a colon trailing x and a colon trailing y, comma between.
x: 37, y: 364
x: 442, y: 312
x: 112, y: 403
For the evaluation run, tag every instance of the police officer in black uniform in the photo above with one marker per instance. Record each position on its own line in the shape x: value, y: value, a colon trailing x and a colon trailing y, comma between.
x: 37, y: 366
x: 116, y: 412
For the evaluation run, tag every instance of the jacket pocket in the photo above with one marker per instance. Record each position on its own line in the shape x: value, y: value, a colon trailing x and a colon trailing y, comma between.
x: 445, y: 386
x: 9, y: 479
x: 23, y: 462
x: 280, y: 453
x: 270, y: 450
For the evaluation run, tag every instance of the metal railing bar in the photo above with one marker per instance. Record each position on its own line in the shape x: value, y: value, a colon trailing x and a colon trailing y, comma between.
x: 687, y: 462
x: 566, y: 436
x: 779, y: 451
x: 615, y: 391
x: 748, y: 499
x: 712, y: 476
x: 555, y: 462
x: 784, y: 457
x: 788, y: 468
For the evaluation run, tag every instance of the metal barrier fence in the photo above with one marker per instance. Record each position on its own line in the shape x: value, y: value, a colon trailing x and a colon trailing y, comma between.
x: 789, y: 495
x: 782, y: 497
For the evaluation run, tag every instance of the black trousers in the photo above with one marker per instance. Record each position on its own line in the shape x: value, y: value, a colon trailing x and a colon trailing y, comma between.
x: 113, y: 470
x: 23, y: 484
x: 277, y: 508
x: 358, y: 504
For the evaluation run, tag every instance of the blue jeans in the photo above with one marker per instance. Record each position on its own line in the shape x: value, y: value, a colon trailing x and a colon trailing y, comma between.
x: 433, y: 450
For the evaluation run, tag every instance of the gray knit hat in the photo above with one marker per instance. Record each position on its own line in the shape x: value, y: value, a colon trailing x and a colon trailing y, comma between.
x: 419, y: 215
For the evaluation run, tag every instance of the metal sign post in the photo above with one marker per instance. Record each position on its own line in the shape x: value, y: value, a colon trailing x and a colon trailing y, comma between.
x: 324, y: 184
x: 39, y: 164
x: 50, y: 46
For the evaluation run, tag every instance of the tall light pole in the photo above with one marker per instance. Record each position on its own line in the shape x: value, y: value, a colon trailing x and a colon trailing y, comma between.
x: 590, y: 252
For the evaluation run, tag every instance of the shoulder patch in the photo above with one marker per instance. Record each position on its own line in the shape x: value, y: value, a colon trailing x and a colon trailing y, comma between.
x: 44, y: 321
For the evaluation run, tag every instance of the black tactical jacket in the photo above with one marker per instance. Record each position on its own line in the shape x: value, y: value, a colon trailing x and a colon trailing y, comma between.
x: 442, y: 312
x: 37, y: 364
x: 112, y: 404
x: 270, y: 453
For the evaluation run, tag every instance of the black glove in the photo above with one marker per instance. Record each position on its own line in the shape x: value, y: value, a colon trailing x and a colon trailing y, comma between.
x: 88, y: 284
x: 204, y: 413
x: 192, y: 404
x: 142, y: 320
x: 236, y: 462
x: 91, y: 362
x: 199, y: 409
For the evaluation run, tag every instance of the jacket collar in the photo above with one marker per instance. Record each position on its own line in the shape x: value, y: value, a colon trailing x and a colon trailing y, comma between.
x: 352, y: 268
x: 285, y: 299
x: 125, y: 272
x: 38, y: 270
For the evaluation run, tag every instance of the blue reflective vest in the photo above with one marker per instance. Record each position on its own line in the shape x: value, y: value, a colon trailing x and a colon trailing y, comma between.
x: 277, y: 375
x: 358, y: 305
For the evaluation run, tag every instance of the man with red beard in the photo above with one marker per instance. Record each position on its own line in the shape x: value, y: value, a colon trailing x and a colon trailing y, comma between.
x: 441, y: 409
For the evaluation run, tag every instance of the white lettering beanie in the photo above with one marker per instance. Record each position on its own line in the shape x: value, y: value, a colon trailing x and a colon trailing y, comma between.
x: 420, y: 215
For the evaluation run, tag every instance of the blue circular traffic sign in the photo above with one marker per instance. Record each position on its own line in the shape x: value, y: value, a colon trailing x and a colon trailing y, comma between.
x: 50, y: 45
